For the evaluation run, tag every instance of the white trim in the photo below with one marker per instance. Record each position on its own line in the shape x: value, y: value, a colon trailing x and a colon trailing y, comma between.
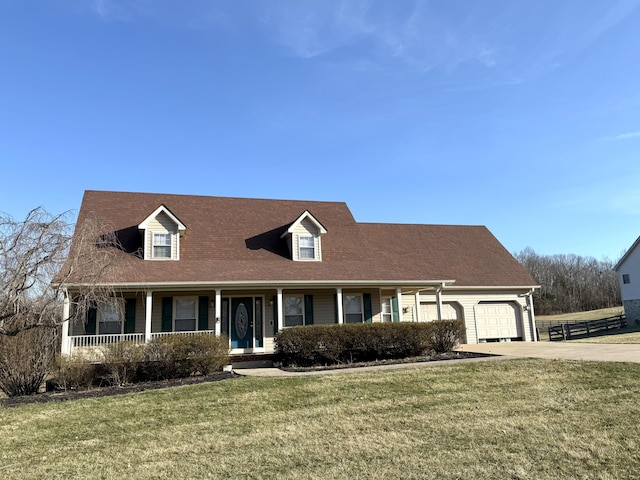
x: 153, y: 234
x: 174, y: 310
x: 280, y: 307
x: 284, y: 301
x: 143, y: 225
x: 148, y: 312
x: 340, y: 307
x: 299, y: 220
x: 269, y: 285
x: 263, y: 316
x: 399, y: 297
x: 383, y: 299
x: 218, y: 324
x: 360, y: 295
x: 119, y: 309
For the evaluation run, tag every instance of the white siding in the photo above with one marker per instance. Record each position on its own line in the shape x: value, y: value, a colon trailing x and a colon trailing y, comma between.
x: 306, y: 228
x: 631, y: 267
x: 161, y: 224
x: 450, y: 311
x: 469, y: 300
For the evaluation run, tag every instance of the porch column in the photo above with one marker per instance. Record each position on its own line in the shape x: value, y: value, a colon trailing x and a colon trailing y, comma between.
x: 218, y: 326
x: 66, y: 309
x: 280, y: 306
x: 339, y: 302
x: 399, y: 296
x: 418, y: 315
x: 439, y: 300
x: 148, y: 310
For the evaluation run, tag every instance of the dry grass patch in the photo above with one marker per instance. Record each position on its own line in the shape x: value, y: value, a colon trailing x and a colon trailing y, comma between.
x: 581, y: 316
x: 525, y: 419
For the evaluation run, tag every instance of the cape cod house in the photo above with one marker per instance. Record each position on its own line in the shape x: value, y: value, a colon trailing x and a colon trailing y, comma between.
x: 247, y: 268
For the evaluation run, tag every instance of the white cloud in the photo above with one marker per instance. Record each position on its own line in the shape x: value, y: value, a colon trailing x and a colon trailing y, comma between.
x: 622, y: 136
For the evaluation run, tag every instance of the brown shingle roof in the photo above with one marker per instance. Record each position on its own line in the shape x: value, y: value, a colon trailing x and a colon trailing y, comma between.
x: 238, y: 240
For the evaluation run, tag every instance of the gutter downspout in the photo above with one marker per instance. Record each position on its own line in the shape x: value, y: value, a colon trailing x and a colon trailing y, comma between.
x: 532, y: 316
x: 439, y: 300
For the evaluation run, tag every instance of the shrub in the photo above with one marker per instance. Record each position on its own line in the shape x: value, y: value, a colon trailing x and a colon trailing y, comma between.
x: 446, y: 334
x: 335, y: 344
x: 73, y: 372
x: 122, y: 360
x: 206, y: 353
x: 178, y: 356
x: 26, y: 359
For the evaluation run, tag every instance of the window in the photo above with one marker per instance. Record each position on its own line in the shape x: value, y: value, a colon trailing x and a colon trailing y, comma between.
x: 387, y: 312
x: 307, y: 248
x: 626, y: 278
x: 353, y: 309
x: 110, y: 318
x: 293, y: 311
x: 161, y: 245
x: 185, y: 317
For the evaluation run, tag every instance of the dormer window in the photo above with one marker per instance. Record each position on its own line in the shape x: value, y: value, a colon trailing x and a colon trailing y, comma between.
x: 307, y: 248
x: 304, y: 238
x: 161, y: 245
x: 162, y: 231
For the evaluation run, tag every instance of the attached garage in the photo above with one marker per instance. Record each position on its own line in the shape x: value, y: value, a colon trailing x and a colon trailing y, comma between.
x: 498, y: 321
x: 450, y: 311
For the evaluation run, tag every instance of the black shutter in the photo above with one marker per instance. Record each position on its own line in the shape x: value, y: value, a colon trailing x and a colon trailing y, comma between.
x: 167, y: 314
x: 368, y: 315
x: 275, y: 315
x: 203, y: 313
x: 335, y: 308
x: 308, y: 309
x: 130, y: 315
x: 92, y: 314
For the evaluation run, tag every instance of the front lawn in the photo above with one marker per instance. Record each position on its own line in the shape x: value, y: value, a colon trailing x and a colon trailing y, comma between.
x: 522, y: 419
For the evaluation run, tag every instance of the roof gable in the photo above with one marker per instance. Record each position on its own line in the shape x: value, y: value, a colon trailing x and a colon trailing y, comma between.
x: 161, y: 209
x: 305, y: 216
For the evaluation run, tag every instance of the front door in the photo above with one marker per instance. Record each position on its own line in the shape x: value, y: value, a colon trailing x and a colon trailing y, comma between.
x: 241, y: 322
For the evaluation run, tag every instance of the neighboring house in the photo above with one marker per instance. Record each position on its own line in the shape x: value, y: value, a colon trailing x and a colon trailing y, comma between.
x: 247, y: 268
x: 628, y: 269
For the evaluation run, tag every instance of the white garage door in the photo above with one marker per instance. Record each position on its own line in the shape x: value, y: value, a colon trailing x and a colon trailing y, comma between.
x: 498, y: 321
x: 450, y: 311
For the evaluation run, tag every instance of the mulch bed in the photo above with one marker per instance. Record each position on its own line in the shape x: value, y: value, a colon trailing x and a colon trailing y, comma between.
x: 96, y: 392
x: 425, y: 358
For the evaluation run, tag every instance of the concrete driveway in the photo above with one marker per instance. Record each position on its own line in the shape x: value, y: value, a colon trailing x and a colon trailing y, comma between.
x: 560, y: 350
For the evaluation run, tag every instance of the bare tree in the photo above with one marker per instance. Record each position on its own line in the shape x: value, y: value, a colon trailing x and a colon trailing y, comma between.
x: 38, y: 261
x: 571, y: 283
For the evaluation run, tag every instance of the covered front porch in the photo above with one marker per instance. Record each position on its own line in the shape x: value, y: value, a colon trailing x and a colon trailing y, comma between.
x: 249, y: 316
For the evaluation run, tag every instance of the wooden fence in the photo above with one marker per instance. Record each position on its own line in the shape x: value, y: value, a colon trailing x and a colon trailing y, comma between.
x: 566, y: 331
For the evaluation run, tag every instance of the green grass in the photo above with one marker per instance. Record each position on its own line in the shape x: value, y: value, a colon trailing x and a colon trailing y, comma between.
x: 516, y: 419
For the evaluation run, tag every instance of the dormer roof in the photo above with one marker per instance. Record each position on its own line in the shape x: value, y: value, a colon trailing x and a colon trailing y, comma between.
x: 161, y: 209
x: 300, y: 219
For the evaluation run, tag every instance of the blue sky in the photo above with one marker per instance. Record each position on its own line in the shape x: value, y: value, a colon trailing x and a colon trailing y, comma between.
x: 523, y: 116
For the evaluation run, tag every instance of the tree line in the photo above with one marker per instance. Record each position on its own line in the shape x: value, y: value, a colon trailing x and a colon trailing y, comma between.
x: 571, y: 283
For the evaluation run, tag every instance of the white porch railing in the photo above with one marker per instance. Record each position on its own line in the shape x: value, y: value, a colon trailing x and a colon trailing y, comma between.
x: 194, y: 332
x: 84, y: 342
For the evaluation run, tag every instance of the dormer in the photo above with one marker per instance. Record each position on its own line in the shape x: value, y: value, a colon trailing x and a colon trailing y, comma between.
x: 304, y: 238
x: 161, y: 232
